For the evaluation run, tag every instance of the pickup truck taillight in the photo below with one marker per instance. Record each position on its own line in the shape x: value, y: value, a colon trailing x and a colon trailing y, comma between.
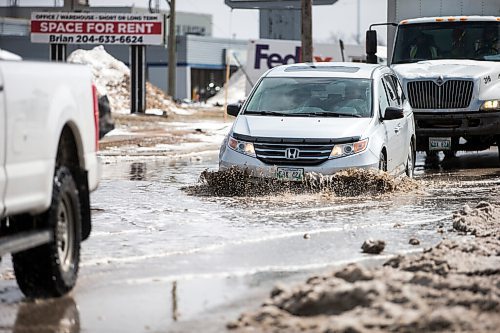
x: 96, y: 116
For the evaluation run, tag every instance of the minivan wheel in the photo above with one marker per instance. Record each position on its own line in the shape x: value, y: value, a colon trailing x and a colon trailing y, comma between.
x: 51, y: 270
x: 382, y: 164
x: 410, y: 162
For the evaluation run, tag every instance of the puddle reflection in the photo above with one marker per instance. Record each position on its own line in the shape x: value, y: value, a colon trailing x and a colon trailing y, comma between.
x: 55, y: 315
x: 175, y: 311
x: 138, y: 171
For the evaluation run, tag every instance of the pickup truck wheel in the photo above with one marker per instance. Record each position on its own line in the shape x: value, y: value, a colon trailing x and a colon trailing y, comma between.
x: 51, y: 270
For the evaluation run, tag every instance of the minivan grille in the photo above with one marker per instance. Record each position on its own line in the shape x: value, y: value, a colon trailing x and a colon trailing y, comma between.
x: 302, y: 153
x: 452, y: 94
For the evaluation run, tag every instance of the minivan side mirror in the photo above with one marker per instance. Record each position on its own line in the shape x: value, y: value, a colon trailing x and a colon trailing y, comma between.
x: 393, y: 112
x: 371, y: 46
x: 233, y: 109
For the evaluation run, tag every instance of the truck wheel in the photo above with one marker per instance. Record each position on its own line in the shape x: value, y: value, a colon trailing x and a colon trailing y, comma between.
x: 498, y: 146
x: 382, y: 163
x: 51, y: 270
x: 410, y: 161
x: 450, y: 154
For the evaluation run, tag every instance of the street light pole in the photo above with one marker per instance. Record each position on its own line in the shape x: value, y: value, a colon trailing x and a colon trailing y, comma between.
x: 172, y: 62
x: 306, y: 31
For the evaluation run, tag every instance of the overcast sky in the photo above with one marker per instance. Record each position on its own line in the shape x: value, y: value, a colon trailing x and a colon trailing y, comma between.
x: 339, y: 19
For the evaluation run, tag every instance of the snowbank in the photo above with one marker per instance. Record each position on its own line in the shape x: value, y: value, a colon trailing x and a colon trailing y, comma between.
x: 235, y: 93
x: 112, y: 77
x: 6, y: 55
x: 452, y: 287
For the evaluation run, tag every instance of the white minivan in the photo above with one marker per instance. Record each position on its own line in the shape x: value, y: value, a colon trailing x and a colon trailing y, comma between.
x: 322, y: 118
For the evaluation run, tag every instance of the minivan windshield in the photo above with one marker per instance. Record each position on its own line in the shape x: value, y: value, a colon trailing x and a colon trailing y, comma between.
x: 311, y: 97
x: 447, y: 40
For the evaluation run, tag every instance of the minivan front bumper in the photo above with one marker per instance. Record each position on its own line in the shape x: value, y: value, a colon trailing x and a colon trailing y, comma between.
x: 230, y: 158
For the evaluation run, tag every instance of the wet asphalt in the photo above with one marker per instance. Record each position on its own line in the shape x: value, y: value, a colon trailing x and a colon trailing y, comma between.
x: 161, y: 260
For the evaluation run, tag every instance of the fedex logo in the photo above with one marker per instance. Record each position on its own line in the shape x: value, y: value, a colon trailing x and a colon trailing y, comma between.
x: 276, y: 59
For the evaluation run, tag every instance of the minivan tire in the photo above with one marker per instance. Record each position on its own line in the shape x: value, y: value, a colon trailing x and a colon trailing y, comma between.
x: 382, y: 163
x: 410, y: 161
x: 51, y: 270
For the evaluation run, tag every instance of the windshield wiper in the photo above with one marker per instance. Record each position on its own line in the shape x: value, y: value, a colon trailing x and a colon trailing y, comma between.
x: 411, y: 61
x: 330, y: 114
x: 267, y: 113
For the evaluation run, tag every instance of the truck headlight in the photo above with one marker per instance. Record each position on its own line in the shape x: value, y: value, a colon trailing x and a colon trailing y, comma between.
x: 242, y: 147
x: 491, y: 105
x: 347, y: 149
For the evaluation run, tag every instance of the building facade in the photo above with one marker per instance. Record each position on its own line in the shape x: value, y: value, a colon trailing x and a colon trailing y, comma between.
x: 201, y: 59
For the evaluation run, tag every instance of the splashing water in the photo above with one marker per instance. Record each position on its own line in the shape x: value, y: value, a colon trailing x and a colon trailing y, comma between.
x: 348, y: 183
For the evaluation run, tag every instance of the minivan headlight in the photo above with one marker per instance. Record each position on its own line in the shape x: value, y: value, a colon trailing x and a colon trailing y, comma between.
x: 491, y: 105
x: 347, y: 149
x: 242, y: 147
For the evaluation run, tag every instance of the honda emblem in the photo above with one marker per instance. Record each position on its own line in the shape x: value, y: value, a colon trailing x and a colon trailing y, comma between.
x: 292, y: 153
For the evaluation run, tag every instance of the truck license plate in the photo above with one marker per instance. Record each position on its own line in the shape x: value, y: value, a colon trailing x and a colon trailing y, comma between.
x: 290, y: 174
x: 439, y: 143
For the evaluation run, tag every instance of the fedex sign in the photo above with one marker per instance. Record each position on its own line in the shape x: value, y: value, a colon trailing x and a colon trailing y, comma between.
x: 264, y: 54
x: 276, y: 59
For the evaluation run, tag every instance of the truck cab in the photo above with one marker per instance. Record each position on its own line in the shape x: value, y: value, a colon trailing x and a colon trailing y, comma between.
x: 450, y: 70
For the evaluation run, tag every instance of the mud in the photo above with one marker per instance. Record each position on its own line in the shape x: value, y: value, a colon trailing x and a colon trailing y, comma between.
x: 452, y: 287
x: 472, y: 220
x: 156, y: 98
x: 348, y: 183
x: 414, y: 241
x: 154, y: 135
x: 373, y: 246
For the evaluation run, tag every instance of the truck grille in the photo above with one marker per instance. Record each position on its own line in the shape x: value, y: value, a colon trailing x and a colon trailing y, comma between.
x: 293, y: 153
x: 452, y: 94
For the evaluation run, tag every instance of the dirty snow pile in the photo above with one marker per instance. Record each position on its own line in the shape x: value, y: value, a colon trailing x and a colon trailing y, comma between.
x: 112, y: 77
x: 6, y: 55
x: 452, y: 287
x: 235, y: 90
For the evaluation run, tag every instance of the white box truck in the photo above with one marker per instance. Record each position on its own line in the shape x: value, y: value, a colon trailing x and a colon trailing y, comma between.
x: 447, y: 55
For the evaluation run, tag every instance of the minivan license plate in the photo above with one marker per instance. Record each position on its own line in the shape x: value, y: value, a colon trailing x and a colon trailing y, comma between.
x: 290, y: 174
x: 439, y: 143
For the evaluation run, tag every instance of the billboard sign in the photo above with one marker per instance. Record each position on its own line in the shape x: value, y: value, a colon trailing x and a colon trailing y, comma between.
x: 264, y: 54
x: 273, y: 4
x: 97, y: 28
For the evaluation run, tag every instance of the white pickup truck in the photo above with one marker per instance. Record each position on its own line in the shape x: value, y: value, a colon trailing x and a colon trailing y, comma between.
x: 48, y: 167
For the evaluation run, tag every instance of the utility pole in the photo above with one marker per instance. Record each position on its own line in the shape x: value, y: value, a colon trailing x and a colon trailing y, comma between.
x: 72, y: 5
x: 306, y: 31
x: 358, y: 34
x: 69, y: 5
x: 172, y: 62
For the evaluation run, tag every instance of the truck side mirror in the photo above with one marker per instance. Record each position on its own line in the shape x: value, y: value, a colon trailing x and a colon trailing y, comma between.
x: 233, y: 109
x: 371, y: 46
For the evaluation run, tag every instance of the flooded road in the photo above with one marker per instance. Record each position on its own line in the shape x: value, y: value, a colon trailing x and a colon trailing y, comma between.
x: 162, y: 260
